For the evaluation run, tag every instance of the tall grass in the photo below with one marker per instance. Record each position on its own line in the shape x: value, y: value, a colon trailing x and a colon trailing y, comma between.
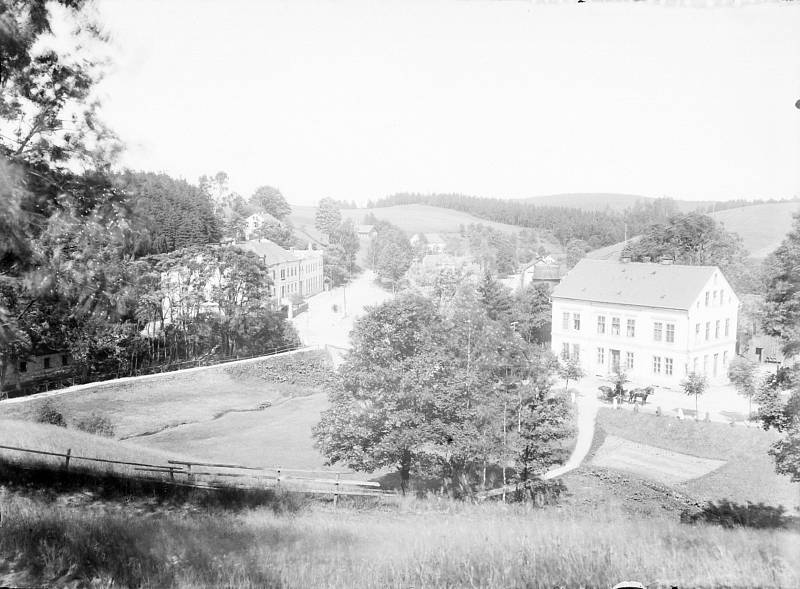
x: 412, y: 544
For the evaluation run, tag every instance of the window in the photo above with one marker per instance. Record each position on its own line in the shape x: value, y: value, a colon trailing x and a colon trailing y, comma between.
x: 615, y: 326
x: 565, y: 351
x: 705, y: 364
x: 725, y: 359
x: 716, y: 330
x: 727, y: 327
x: 696, y: 332
x: 706, y: 298
x: 576, y: 321
x: 23, y: 366
x: 46, y: 363
x: 601, y: 324
x: 670, y: 333
x: 656, y: 364
x: 657, y: 329
x: 64, y: 360
x: 668, y: 366
x: 694, y: 365
x: 715, y: 298
x: 708, y: 329
x: 716, y: 361
x: 631, y: 327
x: 601, y: 356
x: 629, y: 360
x: 576, y: 352
x: 283, y: 273
x: 565, y: 321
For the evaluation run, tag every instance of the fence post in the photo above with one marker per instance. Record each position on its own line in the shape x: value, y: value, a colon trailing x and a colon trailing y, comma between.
x: 171, y: 473
x: 278, y: 479
x: 189, y: 473
x: 66, y: 459
x: 336, y: 494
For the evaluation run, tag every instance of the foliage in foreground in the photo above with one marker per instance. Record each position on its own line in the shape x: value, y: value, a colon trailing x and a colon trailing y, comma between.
x: 418, y: 543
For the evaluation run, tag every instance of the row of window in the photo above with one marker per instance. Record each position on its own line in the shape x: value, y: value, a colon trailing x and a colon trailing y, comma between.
x: 310, y: 284
x: 661, y: 364
x: 293, y: 270
x: 717, y: 325
x: 661, y: 331
x: 715, y: 298
x: 46, y: 363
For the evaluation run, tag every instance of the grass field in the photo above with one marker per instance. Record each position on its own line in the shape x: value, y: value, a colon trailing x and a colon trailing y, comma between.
x: 762, y: 227
x: 148, y: 406
x: 747, y: 474
x: 411, y: 544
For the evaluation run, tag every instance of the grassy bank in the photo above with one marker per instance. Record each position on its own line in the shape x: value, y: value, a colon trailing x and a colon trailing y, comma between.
x: 414, y: 543
x: 748, y: 473
x: 152, y: 405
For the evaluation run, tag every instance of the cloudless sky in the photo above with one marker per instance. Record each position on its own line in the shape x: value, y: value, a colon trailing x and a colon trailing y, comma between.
x: 359, y: 100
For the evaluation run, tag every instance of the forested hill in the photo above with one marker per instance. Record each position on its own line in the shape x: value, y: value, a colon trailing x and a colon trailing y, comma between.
x: 596, y: 228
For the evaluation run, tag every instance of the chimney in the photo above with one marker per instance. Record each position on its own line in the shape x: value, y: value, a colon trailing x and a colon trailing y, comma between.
x: 666, y: 260
x: 626, y: 259
x: 645, y: 259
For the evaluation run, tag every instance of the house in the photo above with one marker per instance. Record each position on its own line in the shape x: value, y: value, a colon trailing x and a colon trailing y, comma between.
x: 293, y: 272
x: 256, y: 221
x: 42, y: 365
x: 366, y: 231
x: 657, y: 322
x: 543, y: 270
x: 434, y: 243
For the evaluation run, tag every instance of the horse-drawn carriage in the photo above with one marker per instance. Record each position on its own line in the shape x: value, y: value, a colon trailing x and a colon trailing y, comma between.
x: 619, y: 394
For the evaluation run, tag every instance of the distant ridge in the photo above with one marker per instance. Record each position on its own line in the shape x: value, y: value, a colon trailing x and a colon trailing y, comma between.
x: 600, y: 201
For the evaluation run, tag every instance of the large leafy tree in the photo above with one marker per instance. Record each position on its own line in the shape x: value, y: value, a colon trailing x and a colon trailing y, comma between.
x: 494, y: 297
x: 532, y: 312
x: 270, y: 200
x: 779, y: 397
x: 327, y: 218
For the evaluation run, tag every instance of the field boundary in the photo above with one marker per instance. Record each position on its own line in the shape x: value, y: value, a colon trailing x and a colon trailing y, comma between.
x: 145, y: 377
x: 276, y: 477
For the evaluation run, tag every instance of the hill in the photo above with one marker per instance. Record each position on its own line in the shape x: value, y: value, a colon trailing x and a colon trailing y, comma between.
x: 600, y: 201
x: 761, y: 227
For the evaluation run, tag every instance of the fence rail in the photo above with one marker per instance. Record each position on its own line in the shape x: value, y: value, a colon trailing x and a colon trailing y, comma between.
x: 277, y: 474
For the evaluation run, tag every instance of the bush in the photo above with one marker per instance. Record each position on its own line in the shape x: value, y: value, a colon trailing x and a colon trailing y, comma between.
x: 49, y: 414
x: 96, y: 424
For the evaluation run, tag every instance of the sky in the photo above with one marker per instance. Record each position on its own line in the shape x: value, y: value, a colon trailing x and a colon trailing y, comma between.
x: 358, y: 100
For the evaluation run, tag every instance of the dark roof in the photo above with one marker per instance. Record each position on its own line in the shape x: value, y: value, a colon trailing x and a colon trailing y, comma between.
x: 271, y: 252
x: 644, y: 284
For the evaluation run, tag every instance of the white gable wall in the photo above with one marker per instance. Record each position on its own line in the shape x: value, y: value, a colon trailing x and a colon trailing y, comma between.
x: 664, y: 346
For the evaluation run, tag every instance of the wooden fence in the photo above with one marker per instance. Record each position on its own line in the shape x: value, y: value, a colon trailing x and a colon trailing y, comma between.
x: 277, y: 477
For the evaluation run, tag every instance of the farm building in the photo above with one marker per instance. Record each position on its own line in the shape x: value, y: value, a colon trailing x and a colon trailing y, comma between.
x: 434, y: 243
x: 293, y: 272
x: 657, y: 322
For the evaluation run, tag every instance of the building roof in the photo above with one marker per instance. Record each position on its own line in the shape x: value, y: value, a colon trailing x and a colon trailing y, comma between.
x: 434, y: 238
x: 271, y: 252
x: 365, y: 228
x: 643, y: 284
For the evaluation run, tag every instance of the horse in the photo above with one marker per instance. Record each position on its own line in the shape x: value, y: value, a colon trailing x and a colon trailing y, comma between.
x: 640, y: 394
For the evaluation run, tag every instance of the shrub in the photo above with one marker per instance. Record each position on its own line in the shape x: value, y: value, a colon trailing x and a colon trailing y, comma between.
x: 48, y: 413
x: 96, y: 424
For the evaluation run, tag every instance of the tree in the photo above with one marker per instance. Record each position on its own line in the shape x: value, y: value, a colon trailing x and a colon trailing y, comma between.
x: 576, y: 250
x: 782, y: 314
x: 327, y: 218
x: 270, y: 200
x: 570, y: 370
x: 743, y: 374
x: 387, y: 407
x: 694, y: 385
x: 279, y: 233
x: 532, y: 311
x: 494, y: 297
x: 344, y: 235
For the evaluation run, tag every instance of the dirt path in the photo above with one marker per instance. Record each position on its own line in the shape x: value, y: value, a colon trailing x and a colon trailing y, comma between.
x: 587, y: 406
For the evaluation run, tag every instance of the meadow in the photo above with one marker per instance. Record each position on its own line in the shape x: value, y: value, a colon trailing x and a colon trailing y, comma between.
x: 409, y: 543
x: 747, y: 474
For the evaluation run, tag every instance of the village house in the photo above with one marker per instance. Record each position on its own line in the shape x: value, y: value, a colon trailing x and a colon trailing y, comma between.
x: 293, y: 272
x: 434, y: 243
x: 542, y: 270
x: 657, y: 322
x: 255, y: 221
x: 366, y: 231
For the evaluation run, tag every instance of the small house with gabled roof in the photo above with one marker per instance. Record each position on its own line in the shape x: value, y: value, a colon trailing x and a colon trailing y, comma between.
x: 657, y: 322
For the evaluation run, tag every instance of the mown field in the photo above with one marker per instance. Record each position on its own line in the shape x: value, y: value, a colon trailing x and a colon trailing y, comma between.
x: 747, y: 473
x: 761, y: 227
x: 147, y: 406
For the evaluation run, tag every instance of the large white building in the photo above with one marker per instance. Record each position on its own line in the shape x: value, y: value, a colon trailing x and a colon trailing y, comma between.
x: 657, y: 322
x: 293, y: 272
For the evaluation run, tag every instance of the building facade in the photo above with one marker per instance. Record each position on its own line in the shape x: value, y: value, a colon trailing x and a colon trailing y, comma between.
x: 655, y: 322
x: 293, y: 272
